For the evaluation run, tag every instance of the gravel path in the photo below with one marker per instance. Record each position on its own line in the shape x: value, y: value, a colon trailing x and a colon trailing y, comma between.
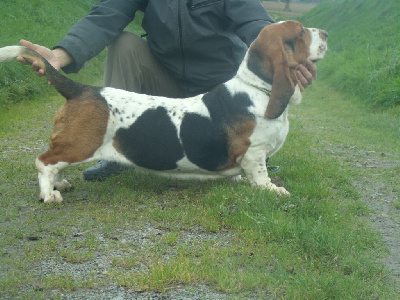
x: 379, y: 194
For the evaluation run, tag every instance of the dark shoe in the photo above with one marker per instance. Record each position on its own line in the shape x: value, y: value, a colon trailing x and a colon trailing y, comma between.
x: 102, y: 170
x: 272, y: 169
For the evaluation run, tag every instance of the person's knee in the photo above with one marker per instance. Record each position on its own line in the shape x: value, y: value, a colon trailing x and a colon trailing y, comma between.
x: 127, y: 42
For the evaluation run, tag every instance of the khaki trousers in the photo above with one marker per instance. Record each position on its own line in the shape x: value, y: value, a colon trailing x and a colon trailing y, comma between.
x: 131, y: 66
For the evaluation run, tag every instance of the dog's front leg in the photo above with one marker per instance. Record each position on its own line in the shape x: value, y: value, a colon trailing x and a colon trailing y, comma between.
x: 47, y: 175
x: 255, y: 168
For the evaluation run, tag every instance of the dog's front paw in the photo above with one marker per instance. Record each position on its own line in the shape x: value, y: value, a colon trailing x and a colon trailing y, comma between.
x: 55, y: 196
x: 280, y: 190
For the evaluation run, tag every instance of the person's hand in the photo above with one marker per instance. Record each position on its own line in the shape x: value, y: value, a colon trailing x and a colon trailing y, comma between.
x: 43, y: 51
x: 306, y: 74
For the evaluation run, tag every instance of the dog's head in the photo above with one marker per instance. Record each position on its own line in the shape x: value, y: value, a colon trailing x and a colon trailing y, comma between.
x: 277, y: 52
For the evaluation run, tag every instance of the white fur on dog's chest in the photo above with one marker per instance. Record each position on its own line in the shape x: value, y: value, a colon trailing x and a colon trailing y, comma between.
x: 270, y: 135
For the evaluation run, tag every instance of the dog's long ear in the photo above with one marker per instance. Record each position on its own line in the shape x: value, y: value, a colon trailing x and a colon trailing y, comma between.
x: 284, y: 81
x: 270, y: 58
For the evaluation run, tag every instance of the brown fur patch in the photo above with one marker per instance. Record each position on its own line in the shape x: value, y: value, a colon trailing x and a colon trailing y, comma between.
x: 79, y: 129
x: 239, y: 141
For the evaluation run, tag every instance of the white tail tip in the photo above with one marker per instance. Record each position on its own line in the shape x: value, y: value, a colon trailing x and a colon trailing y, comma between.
x: 9, y: 53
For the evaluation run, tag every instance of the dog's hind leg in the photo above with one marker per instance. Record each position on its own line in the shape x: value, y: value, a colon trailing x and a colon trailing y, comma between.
x: 47, y: 175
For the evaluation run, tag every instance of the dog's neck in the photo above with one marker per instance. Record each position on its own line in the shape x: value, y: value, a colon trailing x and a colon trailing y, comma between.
x: 250, y: 78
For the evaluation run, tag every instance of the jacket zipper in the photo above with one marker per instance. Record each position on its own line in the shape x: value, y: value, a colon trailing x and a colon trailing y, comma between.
x: 202, y: 4
x: 181, y: 39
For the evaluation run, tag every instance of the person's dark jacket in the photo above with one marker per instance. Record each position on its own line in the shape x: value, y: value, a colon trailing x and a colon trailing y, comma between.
x: 200, y: 42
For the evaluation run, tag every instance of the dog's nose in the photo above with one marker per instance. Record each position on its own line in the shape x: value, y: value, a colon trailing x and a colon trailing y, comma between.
x: 325, y: 33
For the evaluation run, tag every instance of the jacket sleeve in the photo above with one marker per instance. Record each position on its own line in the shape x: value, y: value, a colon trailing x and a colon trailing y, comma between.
x: 89, y: 36
x: 249, y: 18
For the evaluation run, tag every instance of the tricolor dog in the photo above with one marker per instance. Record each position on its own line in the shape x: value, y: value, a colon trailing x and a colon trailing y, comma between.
x: 226, y: 132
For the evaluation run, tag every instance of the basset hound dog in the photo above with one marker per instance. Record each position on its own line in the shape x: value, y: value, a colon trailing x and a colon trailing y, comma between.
x: 226, y: 132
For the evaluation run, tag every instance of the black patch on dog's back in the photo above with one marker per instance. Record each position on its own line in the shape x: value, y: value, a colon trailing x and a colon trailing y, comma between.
x: 151, y: 141
x: 205, y: 140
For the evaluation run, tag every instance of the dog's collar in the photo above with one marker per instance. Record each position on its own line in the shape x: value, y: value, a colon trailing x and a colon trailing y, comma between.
x: 262, y: 89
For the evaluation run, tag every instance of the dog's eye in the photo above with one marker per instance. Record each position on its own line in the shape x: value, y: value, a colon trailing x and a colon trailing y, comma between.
x: 302, y: 32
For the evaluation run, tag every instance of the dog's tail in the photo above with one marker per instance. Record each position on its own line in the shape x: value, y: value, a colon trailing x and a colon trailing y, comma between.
x: 65, y: 86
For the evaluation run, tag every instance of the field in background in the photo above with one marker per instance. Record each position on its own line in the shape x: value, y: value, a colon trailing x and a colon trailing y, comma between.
x: 276, y: 9
x: 363, y: 57
x: 364, y: 50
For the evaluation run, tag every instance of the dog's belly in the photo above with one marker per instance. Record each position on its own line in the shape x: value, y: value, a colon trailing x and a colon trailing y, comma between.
x: 182, y: 169
x: 188, y: 173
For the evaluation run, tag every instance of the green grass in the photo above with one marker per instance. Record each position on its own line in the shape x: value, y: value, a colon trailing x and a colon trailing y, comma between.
x: 146, y: 233
x: 364, y: 43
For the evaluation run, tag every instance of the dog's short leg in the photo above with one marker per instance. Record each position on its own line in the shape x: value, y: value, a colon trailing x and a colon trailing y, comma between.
x: 47, y: 175
x: 254, y: 166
